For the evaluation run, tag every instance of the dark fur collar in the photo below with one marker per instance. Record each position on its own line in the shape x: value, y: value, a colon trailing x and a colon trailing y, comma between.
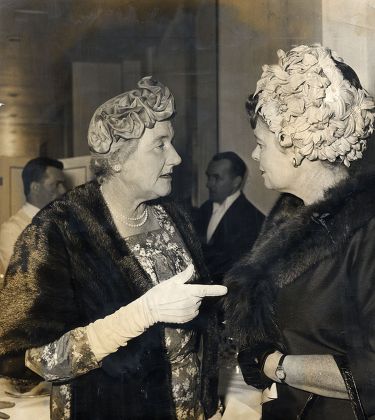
x: 293, y: 239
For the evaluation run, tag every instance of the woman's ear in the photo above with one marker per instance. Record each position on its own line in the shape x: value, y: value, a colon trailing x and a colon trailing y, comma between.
x: 285, y: 140
x: 115, y: 161
x: 296, y: 158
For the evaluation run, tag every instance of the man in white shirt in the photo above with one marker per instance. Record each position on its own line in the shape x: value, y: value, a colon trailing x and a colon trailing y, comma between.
x: 227, y: 223
x: 43, y: 181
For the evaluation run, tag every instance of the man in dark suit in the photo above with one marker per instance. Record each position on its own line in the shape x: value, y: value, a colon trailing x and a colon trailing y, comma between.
x: 227, y: 223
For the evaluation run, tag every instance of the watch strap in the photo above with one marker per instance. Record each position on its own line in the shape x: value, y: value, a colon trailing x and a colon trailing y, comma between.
x: 281, y: 368
x: 263, y: 357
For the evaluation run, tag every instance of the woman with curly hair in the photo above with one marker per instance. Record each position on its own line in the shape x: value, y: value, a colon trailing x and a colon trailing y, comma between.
x: 95, y: 293
x: 302, y: 304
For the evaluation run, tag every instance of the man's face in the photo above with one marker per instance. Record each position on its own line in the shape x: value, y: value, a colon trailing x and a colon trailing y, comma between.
x: 221, y: 182
x: 51, y: 186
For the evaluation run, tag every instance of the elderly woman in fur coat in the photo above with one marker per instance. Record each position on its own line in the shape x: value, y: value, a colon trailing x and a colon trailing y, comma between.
x: 302, y: 303
x: 96, y: 292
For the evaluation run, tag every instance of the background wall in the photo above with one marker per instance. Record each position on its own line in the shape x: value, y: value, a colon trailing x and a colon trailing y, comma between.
x: 62, y: 58
x: 177, y: 47
x: 349, y: 29
x: 250, y: 33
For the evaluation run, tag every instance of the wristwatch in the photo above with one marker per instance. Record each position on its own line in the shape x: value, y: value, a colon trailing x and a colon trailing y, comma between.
x: 280, y: 372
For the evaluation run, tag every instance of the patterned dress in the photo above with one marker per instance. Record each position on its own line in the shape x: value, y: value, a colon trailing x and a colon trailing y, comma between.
x: 162, y: 254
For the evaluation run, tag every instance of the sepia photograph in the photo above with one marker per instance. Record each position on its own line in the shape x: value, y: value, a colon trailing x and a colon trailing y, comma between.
x: 187, y: 209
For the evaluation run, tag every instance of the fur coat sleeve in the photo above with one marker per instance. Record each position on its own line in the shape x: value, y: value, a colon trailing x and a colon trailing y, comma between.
x: 27, y: 317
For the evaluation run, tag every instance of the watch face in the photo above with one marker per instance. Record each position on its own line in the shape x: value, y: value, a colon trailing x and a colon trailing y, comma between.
x: 280, y: 373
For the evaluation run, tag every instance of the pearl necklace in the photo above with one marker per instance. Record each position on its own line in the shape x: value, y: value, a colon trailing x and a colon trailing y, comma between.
x: 143, y: 219
x: 124, y: 219
x: 144, y: 213
x: 143, y: 216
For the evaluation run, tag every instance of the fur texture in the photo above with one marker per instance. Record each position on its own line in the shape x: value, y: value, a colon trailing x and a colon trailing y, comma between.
x: 72, y: 267
x: 293, y: 239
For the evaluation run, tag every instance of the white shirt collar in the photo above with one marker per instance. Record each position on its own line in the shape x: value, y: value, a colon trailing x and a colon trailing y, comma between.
x: 218, y: 211
x: 228, y: 201
x: 30, y: 209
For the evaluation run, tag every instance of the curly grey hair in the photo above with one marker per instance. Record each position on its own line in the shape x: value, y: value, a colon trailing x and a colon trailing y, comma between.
x: 314, y: 103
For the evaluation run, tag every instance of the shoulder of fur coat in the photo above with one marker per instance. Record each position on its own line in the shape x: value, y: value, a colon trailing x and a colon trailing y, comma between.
x: 293, y: 238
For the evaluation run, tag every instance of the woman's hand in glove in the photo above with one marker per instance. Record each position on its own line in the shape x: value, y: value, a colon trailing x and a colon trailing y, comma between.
x: 176, y: 302
x: 170, y: 301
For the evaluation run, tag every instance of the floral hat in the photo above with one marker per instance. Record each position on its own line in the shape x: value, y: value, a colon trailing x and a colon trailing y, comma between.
x: 306, y: 101
x: 127, y: 115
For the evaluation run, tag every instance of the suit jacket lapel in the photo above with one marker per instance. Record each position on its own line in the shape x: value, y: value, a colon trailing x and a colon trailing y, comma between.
x: 225, y: 221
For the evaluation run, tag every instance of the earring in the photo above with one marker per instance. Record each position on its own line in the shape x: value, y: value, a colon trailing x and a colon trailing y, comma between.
x: 117, y: 167
x: 294, y: 161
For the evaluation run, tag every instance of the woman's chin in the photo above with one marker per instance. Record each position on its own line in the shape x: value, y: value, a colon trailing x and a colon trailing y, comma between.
x: 164, y: 192
x: 267, y: 184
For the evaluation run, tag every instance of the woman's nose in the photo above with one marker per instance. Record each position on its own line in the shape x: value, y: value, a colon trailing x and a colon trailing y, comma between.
x: 174, y: 157
x: 255, y: 154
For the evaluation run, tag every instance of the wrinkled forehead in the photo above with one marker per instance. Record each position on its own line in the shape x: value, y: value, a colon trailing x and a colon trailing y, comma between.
x: 163, y: 129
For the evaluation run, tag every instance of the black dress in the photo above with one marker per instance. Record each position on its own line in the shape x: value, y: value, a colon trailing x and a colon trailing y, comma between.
x: 308, y: 286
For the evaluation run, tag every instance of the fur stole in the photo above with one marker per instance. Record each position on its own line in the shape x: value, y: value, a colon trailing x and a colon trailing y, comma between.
x: 293, y: 239
x: 74, y: 238
x: 71, y: 267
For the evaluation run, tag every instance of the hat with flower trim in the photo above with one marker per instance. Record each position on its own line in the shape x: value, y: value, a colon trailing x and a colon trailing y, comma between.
x: 310, y: 106
x: 126, y: 116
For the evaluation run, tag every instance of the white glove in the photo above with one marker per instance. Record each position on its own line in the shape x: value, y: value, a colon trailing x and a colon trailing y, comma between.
x: 106, y: 335
x: 174, y: 301
x: 169, y: 301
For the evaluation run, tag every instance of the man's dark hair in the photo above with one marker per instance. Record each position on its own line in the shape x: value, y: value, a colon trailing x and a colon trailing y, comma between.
x: 35, y: 169
x: 238, y: 166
